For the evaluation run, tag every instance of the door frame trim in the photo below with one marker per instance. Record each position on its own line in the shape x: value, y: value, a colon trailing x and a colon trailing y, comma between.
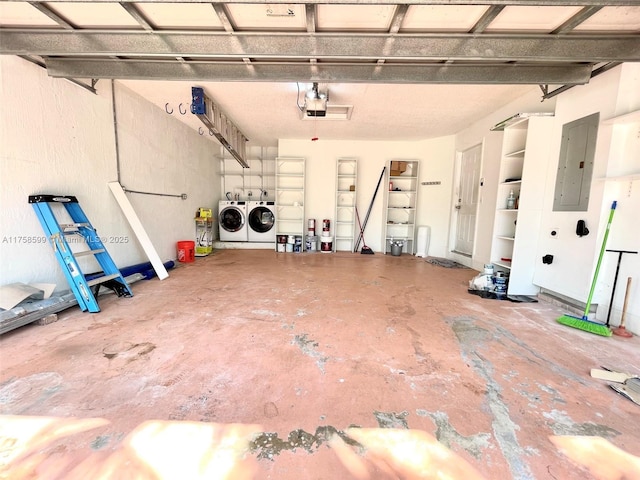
x: 463, y: 258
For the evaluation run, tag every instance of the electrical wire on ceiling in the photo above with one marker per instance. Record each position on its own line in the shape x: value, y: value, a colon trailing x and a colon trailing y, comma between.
x: 300, y: 107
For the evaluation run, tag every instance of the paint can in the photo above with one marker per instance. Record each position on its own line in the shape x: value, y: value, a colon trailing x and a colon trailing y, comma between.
x: 291, y: 239
x: 186, y: 251
x: 326, y: 244
x: 282, y: 247
x: 297, y: 244
x: 500, y: 285
x: 326, y: 225
x: 488, y: 269
x: 311, y: 227
x: 289, y: 247
x: 311, y: 243
x: 282, y: 239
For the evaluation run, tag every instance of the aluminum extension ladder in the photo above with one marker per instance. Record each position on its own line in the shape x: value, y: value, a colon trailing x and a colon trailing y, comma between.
x: 81, y: 287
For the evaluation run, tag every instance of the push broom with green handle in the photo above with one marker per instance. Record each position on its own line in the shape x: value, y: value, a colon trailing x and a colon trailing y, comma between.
x: 583, y: 323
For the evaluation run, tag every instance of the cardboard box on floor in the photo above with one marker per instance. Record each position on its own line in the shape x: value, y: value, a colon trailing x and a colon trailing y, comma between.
x: 397, y: 168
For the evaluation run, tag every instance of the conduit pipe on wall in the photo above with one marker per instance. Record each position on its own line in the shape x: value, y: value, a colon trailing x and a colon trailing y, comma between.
x: 183, y: 196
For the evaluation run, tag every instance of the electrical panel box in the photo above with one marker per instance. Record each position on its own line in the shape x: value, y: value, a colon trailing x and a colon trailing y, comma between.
x: 575, y: 167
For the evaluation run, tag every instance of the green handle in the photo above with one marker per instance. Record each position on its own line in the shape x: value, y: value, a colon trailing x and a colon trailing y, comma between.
x: 602, y: 250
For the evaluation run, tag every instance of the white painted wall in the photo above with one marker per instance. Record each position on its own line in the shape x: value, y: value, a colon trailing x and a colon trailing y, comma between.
x: 436, y: 163
x: 59, y: 138
x: 613, y: 93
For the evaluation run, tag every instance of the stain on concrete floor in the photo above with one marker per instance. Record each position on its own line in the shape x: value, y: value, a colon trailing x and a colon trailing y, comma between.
x: 127, y: 351
x: 447, y: 435
x: 391, y: 419
x: 267, y: 445
x: 20, y: 394
x: 471, y: 337
x: 562, y: 424
x: 309, y: 348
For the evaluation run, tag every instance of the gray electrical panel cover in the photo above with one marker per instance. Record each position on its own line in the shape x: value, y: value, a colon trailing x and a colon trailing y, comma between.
x: 575, y: 167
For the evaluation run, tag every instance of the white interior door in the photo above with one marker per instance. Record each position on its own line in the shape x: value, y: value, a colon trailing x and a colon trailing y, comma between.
x: 467, y: 203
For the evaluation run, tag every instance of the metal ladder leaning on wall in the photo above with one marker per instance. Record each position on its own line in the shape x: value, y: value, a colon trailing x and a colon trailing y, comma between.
x: 81, y: 287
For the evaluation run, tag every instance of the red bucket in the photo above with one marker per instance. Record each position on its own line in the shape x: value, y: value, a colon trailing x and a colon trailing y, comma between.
x: 186, y: 251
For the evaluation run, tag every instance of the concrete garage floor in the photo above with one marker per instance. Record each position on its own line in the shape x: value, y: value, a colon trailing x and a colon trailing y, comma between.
x: 303, y: 346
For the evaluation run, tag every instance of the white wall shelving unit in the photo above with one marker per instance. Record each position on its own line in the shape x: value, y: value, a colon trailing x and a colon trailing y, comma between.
x: 290, y: 199
x: 624, y: 163
x: 400, y: 206
x: 516, y: 230
x: 345, y: 218
x: 254, y: 183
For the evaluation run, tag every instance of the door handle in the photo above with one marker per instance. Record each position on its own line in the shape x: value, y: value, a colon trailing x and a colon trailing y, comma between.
x: 458, y: 207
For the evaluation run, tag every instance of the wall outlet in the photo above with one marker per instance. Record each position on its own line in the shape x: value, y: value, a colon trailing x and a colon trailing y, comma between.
x: 554, y: 233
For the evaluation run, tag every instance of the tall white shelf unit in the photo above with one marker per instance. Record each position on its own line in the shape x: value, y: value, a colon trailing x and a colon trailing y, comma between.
x: 345, y: 219
x: 523, y: 167
x: 401, y: 206
x: 290, y: 200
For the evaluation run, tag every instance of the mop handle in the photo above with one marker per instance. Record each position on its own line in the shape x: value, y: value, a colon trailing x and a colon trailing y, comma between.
x: 626, y: 302
x: 602, y: 250
x: 366, y: 218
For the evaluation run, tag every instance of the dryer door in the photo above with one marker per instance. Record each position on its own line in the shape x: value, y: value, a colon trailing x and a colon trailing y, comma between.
x: 231, y: 219
x: 261, y: 219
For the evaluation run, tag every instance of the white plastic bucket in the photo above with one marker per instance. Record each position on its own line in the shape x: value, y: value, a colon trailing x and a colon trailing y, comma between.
x: 326, y: 244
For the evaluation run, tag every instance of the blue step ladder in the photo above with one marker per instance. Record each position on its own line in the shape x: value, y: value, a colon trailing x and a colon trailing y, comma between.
x: 56, y: 232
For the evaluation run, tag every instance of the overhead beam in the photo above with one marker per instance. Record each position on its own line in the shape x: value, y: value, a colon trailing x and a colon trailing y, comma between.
x: 386, y: 2
x: 398, y: 18
x: 321, y: 72
x: 310, y: 14
x: 577, y: 19
x: 40, y: 63
x: 223, y: 16
x: 496, y: 47
x: 42, y: 8
x: 486, y: 19
x: 137, y: 16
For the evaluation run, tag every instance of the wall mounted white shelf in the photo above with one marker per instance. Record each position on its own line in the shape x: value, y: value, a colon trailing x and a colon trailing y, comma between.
x: 254, y: 183
x: 516, y: 230
x: 346, y: 191
x: 290, y: 199
x: 631, y: 117
x: 400, y: 206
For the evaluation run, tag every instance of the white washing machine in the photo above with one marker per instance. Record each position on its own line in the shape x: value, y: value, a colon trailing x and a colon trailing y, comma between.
x: 232, y: 220
x: 262, y: 221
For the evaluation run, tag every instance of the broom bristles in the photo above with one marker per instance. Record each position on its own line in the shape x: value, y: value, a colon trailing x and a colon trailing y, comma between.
x: 584, y: 324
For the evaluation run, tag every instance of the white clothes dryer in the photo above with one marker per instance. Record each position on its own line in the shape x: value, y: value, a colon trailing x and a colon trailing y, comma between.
x: 262, y: 221
x: 232, y: 220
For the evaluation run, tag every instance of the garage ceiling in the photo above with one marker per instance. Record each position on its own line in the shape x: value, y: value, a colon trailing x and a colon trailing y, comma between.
x: 402, y: 70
